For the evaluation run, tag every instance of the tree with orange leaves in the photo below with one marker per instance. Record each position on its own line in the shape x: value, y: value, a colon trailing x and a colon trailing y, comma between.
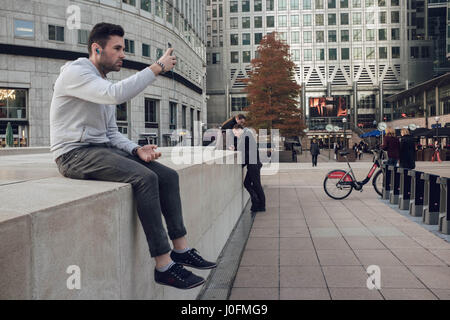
x: 272, y: 90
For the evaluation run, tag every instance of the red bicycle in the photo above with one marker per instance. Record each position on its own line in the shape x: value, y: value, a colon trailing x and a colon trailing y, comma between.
x: 338, y: 184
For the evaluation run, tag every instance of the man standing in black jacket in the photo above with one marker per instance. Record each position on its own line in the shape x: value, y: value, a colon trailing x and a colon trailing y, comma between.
x: 249, y: 150
x: 407, y: 150
x: 229, y: 125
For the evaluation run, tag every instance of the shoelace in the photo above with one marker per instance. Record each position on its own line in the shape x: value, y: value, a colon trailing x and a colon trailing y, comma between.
x: 195, y: 254
x: 179, y: 272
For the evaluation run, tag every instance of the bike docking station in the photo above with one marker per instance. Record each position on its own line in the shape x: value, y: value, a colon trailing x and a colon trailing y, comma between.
x: 386, y: 182
x: 395, y: 185
x: 431, y: 199
x: 444, y: 215
x: 416, y: 199
x: 405, y: 189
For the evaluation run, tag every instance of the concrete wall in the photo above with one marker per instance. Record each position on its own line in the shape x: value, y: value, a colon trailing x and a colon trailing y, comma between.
x: 51, y: 223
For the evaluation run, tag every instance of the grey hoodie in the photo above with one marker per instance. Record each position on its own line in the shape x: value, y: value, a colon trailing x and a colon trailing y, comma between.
x: 83, y: 107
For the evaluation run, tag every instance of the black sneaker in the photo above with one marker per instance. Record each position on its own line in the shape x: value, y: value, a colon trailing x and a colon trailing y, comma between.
x: 177, y: 276
x: 192, y: 259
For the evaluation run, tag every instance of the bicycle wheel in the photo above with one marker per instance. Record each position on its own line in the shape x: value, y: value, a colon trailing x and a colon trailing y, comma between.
x: 334, y: 187
x: 377, y: 182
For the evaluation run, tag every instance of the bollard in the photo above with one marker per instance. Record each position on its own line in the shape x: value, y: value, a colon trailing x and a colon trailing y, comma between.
x: 386, y: 182
x: 431, y: 199
x: 444, y: 216
x: 405, y: 189
x: 416, y: 197
x: 395, y: 185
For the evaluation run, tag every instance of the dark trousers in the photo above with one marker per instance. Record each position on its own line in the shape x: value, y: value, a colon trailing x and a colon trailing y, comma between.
x: 314, y: 159
x: 155, y: 188
x: 252, y: 183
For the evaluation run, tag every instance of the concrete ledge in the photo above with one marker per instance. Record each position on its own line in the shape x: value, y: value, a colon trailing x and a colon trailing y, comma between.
x: 27, y: 150
x: 49, y: 223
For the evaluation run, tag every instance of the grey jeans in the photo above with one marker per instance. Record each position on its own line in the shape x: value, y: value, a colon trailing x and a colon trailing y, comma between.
x: 155, y: 187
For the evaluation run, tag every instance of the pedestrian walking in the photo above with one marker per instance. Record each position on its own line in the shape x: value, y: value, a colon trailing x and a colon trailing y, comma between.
x: 407, y: 150
x: 315, y: 151
x: 437, y: 148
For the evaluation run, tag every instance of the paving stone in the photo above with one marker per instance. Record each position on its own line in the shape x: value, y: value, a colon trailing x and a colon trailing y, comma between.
x: 337, y: 258
x: 408, y: 294
x: 354, y: 294
x: 254, y: 294
x: 301, y: 276
x: 304, y: 294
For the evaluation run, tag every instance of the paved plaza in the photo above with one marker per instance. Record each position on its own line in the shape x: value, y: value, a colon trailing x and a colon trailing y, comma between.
x: 309, y: 246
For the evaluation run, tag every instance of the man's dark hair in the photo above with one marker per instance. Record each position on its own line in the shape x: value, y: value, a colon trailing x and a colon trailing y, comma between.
x: 240, y: 116
x: 101, y: 32
x: 238, y: 126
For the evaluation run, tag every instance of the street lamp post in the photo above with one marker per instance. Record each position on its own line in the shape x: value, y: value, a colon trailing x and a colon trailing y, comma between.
x: 344, y: 120
x: 437, y: 122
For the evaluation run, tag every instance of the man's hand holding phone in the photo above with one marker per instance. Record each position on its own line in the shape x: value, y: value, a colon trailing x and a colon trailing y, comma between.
x: 147, y: 153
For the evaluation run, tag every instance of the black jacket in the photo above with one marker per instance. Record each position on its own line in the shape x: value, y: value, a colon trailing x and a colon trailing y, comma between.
x: 315, y: 150
x: 407, y: 152
x: 229, y: 124
x: 249, y: 148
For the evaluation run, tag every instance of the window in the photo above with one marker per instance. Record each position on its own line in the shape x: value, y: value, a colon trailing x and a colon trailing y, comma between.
x: 332, y: 54
x: 331, y: 35
x: 370, y: 18
x: 357, y: 35
x: 55, y: 33
x: 294, y: 21
x: 295, y: 54
x: 345, y: 53
x: 13, y: 103
x: 331, y: 19
x: 146, y: 5
x: 183, y: 117
x: 345, y: 37
x: 245, y: 39
x: 382, y: 52
x: 331, y: 4
x: 129, y: 46
x: 306, y: 4
x: 245, y: 22
x: 382, y: 16
x: 245, y: 5
x: 307, y: 20
x: 382, y: 34
x: 257, y: 5
x: 395, y: 52
x: 233, y: 6
x: 121, y: 112
x: 382, y: 3
x: 425, y: 52
x: 146, y: 50
x: 130, y: 2
x: 282, y: 5
x: 320, y: 37
x: 356, y: 3
x: 319, y: 20
x: 23, y: 29
x: 246, y: 56
x: 295, y: 37
x: 319, y: 4
x: 370, y: 34
x: 395, y: 16
x: 370, y: 3
x: 234, y: 23
x: 344, y: 18
x: 294, y: 5
x: 395, y: 3
x: 234, y: 39
x: 150, y: 110
x: 172, y: 115
x: 343, y: 4
x: 282, y: 21
x: 270, y: 21
x: 282, y: 36
x: 159, y: 53
x: 234, y: 57
x: 83, y: 36
x: 370, y: 53
x: 258, y: 38
x: 320, y: 54
x: 270, y: 5
x: 395, y: 34
x: 238, y: 104
x: 307, y: 36
x: 216, y: 58
x: 307, y: 54
x: 356, y: 17
x: 258, y: 22
x: 159, y: 5
x: 357, y: 53
x: 414, y: 52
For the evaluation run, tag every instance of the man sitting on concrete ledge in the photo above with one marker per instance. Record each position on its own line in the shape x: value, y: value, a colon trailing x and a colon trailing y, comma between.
x: 86, y: 144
